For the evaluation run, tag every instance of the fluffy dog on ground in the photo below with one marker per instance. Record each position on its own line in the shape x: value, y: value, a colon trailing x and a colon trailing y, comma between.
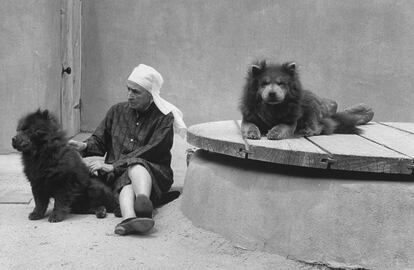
x: 274, y: 102
x: 57, y: 171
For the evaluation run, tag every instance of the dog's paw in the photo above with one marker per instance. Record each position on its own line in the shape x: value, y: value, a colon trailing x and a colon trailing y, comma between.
x: 117, y: 212
x: 35, y: 216
x: 56, y: 217
x: 253, y: 133
x: 100, y: 212
x: 307, y: 132
x: 279, y: 132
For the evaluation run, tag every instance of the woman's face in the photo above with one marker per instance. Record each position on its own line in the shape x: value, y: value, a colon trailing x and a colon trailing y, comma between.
x: 138, y: 97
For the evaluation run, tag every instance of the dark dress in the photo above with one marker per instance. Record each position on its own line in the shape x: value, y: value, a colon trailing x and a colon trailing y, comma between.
x: 128, y: 138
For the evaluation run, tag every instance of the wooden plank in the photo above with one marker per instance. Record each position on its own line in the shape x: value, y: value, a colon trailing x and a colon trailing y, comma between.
x: 398, y: 140
x: 220, y: 137
x: 71, y: 58
x: 225, y: 137
x: 342, y: 152
x: 355, y: 153
x: 409, y: 127
x: 77, y: 64
x: 298, y: 151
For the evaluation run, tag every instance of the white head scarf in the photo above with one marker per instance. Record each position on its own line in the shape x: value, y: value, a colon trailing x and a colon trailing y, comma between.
x: 151, y: 80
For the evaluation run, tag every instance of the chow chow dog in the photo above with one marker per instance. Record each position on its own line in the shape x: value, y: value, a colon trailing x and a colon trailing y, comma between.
x: 55, y: 170
x: 274, y: 103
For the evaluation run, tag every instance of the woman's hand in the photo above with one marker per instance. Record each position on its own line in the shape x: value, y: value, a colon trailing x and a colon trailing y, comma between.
x: 77, y: 145
x: 98, y: 165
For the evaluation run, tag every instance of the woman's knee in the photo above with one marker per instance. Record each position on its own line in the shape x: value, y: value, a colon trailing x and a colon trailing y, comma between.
x: 137, y: 168
x: 141, y: 180
x: 138, y: 171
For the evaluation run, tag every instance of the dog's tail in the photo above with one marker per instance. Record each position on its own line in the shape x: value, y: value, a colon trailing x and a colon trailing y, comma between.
x: 341, y: 122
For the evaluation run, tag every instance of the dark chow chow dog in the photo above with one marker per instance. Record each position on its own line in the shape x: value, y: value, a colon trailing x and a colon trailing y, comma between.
x: 274, y: 102
x: 57, y: 171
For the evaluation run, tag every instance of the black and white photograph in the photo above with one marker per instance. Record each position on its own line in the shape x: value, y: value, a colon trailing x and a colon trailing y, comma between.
x: 207, y: 134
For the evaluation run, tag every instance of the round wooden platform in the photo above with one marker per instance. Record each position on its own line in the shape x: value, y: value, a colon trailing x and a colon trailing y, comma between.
x: 381, y: 148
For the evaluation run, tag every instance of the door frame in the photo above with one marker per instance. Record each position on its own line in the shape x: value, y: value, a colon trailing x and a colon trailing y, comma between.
x: 71, y: 43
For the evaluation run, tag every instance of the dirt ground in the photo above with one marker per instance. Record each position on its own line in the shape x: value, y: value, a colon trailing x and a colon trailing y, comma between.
x: 85, y: 242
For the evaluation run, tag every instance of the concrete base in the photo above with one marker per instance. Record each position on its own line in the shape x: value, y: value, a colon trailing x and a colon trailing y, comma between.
x: 363, y: 221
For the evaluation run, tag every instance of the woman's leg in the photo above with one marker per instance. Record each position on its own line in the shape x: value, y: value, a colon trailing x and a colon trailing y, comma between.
x: 141, y: 185
x: 136, y: 207
x: 140, y: 179
x: 126, y: 202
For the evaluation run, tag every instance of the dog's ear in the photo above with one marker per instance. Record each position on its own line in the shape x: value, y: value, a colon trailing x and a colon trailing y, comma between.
x: 290, y: 67
x: 255, y: 70
x: 39, y: 112
x: 258, y: 67
x: 46, y: 114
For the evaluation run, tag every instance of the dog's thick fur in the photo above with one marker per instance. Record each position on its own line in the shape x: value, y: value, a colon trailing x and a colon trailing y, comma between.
x: 274, y: 102
x: 57, y: 171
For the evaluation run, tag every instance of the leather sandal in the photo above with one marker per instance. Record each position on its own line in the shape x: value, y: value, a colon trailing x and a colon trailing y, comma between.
x: 135, y: 225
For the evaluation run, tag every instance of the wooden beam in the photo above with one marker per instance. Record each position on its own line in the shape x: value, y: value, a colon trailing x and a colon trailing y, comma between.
x: 222, y: 137
x: 408, y: 127
x: 355, y: 153
x: 71, y: 59
x: 225, y: 137
x: 392, y: 138
x: 298, y: 152
x: 381, y: 149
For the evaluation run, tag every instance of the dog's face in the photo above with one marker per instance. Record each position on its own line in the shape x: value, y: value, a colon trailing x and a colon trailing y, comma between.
x: 34, y: 130
x: 275, y: 83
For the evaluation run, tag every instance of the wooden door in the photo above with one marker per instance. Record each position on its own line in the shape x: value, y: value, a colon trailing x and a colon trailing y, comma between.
x: 71, y: 65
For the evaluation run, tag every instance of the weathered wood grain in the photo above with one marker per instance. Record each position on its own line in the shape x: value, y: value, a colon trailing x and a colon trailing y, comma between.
x: 225, y: 137
x: 381, y: 149
x: 298, y: 151
x: 409, y: 127
x: 71, y: 57
x: 220, y: 137
x: 355, y: 153
x: 398, y: 140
